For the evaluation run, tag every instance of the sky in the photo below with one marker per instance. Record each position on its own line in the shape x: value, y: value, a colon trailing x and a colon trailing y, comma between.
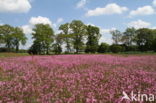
x: 106, y: 14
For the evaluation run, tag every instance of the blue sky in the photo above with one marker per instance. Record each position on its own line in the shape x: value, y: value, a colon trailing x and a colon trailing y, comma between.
x: 106, y: 14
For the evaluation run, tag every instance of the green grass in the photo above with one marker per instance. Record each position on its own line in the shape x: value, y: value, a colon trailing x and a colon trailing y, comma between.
x: 4, y: 55
x: 138, y: 53
x: 135, y: 53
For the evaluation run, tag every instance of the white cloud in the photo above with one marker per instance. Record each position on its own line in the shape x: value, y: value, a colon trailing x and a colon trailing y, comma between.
x: 107, y: 31
x: 40, y: 20
x: 1, y: 23
x: 15, y: 6
x: 107, y: 10
x: 33, y: 21
x: 106, y: 40
x: 153, y: 27
x: 59, y: 20
x: 27, y: 29
x: 106, y: 37
x: 154, y: 2
x: 139, y: 24
x: 81, y: 3
x: 146, y: 10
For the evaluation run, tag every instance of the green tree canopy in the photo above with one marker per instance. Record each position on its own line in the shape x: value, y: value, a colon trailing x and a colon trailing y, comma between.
x: 43, y: 36
x: 103, y: 47
x: 116, y: 36
x: 66, y: 36
x: 12, y: 37
x: 129, y: 36
x: 78, y: 29
x: 93, y: 36
x: 144, y: 39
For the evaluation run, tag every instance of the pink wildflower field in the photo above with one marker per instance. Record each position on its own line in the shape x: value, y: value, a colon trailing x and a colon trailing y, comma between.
x: 75, y: 78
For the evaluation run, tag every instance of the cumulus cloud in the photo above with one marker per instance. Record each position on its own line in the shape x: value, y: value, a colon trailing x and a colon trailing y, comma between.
x: 106, y: 37
x: 81, y: 3
x: 146, y: 10
x: 107, y: 10
x: 33, y: 21
x: 107, y: 31
x: 1, y: 22
x: 27, y: 29
x: 15, y: 6
x: 107, y: 40
x: 139, y: 24
x: 59, y: 20
x: 40, y: 20
x: 154, y: 2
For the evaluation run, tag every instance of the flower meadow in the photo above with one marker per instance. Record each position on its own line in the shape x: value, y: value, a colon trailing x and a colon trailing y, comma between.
x: 75, y: 78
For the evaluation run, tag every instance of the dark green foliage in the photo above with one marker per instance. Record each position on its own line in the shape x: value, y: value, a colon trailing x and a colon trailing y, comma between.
x: 154, y: 45
x: 144, y: 39
x: 129, y: 36
x: 66, y: 36
x: 36, y: 48
x: 12, y: 37
x: 78, y: 38
x: 104, y: 47
x: 18, y: 37
x: 93, y: 36
x: 131, y: 48
x: 4, y: 50
x: 78, y: 30
x: 43, y: 38
x: 57, y: 48
x: 116, y: 48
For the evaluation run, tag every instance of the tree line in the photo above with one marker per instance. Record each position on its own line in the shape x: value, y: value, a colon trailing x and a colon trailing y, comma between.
x: 76, y: 37
x: 11, y: 38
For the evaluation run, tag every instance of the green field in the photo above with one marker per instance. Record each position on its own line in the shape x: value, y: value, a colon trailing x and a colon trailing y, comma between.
x: 3, y: 55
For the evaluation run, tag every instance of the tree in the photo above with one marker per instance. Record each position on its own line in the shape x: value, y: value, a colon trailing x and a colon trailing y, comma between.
x: 6, y: 32
x: 93, y: 36
x: 144, y: 39
x: 58, y: 42
x: 103, y: 47
x: 78, y: 33
x: 43, y: 38
x: 154, y: 40
x: 12, y: 37
x: 116, y: 36
x: 129, y: 36
x: 154, y: 45
x: 116, y: 48
x: 65, y: 31
x: 18, y: 38
x: 57, y: 48
x: 35, y: 48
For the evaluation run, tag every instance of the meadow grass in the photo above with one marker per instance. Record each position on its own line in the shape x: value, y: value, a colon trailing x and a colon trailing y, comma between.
x: 4, y: 55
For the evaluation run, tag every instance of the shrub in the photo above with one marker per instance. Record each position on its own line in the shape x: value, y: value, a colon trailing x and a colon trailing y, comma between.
x: 104, y: 47
x: 154, y: 45
x: 4, y: 50
x: 116, y: 48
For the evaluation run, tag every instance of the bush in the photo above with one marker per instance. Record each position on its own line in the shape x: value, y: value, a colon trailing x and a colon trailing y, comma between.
x: 4, y: 50
x: 104, y: 47
x: 130, y: 48
x: 116, y: 48
x: 22, y: 51
x: 91, y: 49
x: 154, y: 45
